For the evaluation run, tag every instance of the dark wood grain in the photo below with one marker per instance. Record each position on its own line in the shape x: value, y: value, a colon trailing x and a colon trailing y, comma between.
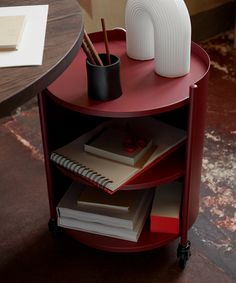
x: 63, y: 39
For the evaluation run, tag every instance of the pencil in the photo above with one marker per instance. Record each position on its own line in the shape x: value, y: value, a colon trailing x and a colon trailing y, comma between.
x: 106, y: 41
x: 93, y: 51
x: 88, y: 53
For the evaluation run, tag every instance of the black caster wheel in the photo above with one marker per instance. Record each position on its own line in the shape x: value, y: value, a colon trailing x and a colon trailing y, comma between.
x: 182, y: 262
x: 183, y: 254
x: 53, y: 228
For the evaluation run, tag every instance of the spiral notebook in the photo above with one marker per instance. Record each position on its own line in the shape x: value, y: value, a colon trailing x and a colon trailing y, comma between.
x: 109, y: 174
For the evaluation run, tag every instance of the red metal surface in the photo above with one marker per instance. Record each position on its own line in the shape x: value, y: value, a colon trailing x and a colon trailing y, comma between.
x: 197, y: 113
x: 46, y: 149
x: 144, y: 92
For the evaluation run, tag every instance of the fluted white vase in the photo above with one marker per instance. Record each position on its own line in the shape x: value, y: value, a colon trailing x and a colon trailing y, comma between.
x: 159, y: 29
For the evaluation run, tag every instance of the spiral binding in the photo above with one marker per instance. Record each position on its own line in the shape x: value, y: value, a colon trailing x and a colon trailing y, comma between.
x: 83, y: 171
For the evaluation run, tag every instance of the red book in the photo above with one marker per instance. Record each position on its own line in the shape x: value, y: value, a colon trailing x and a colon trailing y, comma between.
x: 166, y: 208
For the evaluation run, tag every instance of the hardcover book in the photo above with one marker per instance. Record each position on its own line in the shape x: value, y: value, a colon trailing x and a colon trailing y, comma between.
x: 11, y: 30
x: 125, y: 225
x: 120, y: 201
x: 109, y: 174
x: 70, y: 207
x: 121, y: 145
x: 166, y: 208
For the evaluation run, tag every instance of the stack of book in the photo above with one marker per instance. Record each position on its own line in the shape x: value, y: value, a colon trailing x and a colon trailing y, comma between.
x: 116, y: 151
x: 121, y: 215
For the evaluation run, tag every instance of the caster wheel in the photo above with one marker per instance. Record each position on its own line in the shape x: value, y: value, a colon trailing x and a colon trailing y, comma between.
x: 53, y: 228
x: 183, y: 254
x: 182, y: 262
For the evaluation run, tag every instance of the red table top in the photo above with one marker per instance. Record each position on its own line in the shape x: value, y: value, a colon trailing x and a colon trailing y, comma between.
x: 144, y: 92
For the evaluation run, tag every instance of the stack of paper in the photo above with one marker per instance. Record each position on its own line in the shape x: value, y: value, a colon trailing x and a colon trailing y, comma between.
x: 11, y: 30
x: 105, y: 220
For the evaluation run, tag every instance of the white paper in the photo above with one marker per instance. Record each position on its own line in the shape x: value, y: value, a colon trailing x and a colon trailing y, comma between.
x: 31, y: 47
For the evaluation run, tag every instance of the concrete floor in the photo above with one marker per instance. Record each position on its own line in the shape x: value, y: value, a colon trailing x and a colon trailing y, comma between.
x: 28, y: 253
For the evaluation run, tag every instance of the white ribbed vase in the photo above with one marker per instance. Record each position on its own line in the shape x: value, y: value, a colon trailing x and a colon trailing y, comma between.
x: 159, y: 29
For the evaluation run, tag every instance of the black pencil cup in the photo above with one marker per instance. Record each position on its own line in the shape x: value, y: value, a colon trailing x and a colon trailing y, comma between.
x: 104, y: 81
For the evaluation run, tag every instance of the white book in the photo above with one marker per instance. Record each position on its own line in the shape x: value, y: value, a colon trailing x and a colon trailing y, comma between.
x: 31, y: 48
x: 107, y: 230
x: 68, y: 207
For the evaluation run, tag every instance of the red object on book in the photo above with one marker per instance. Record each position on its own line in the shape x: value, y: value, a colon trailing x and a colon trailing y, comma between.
x: 117, y: 144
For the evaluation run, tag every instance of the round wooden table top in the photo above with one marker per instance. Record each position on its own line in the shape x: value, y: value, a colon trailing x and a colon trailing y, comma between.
x: 64, y: 35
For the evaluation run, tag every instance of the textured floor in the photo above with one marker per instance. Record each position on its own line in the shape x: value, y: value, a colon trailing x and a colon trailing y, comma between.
x: 28, y: 253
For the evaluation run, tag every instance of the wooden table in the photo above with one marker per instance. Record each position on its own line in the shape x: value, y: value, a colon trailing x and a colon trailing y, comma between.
x: 63, y: 39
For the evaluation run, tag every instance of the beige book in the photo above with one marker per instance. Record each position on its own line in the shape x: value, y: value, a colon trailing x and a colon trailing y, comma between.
x: 11, y: 30
x: 69, y: 207
x: 121, y: 201
x: 114, y: 144
x: 116, y: 224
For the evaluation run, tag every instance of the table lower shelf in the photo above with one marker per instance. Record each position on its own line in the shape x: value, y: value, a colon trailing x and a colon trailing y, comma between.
x: 147, y: 241
x: 168, y: 169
